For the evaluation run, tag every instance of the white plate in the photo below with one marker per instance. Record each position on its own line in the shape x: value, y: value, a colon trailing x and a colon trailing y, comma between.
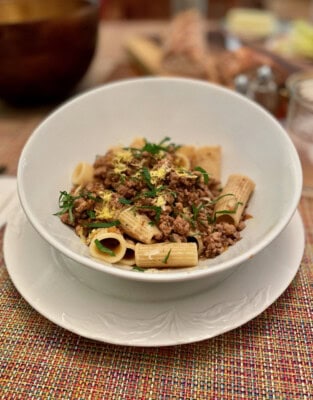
x: 109, y: 315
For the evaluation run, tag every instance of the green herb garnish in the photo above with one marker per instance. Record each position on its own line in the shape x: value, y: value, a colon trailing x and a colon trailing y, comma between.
x: 156, y: 209
x: 223, y: 212
x: 165, y: 259
x: 148, y: 193
x: 104, y: 249
x: 103, y: 224
x: 154, y: 148
x: 139, y: 269
x: 122, y: 200
x: 122, y: 178
x: 66, y: 203
x: 204, y: 174
x: 220, y: 197
x: 229, y: 211
x: 147, y: 177
x: 166, y: 139
x: 153, y: 192
x: 90, y: 196
x: 91, y: 214
x: 196, y: 210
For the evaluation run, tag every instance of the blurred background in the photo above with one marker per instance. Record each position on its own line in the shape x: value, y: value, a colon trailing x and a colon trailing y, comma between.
x: 52, y: 49
x: 138, y: 9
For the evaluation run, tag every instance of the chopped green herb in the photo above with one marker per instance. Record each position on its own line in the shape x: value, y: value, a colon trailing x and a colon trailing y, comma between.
x: 91, y: 197
x: 139, y: 269
x: 148, y: 193
x: 173, y: 145
x: 184, y: 171
x: 154, y: 148
x: 192, y: 222
x: 153, y: 192
x: 166, y: 139
x: 212, y: 220
x: 66, y: 203
x: 156, y: 209
x: 103, y: 224
x: 122, y: 178
x: 91, y: 214
x: 229, y: 211
x: 104, y: 249
x: 196, y: 210
x: 165, y: 259
x: 147, y: 177
x: 220, y: 197
x: 122, y: 200
x: 204, y: 174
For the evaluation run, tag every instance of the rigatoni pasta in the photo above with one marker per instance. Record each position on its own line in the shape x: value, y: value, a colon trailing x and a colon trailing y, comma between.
x: 129, y: 256
x: 234, y: 198
x: 209, y: 158
x: 137, y: 226
x: 156, y: 205
x: 107, y: 246
x: 82, y: 174
x: 166, y: 255
x: 188, y: 152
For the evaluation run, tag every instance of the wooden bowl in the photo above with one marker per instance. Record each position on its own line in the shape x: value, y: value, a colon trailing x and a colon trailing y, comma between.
x: 45, y: 47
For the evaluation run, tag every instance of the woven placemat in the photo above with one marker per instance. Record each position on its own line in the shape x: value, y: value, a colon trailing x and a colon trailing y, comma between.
x: 271, y: 357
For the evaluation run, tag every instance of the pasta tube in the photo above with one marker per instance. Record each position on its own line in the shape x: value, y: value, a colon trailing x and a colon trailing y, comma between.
x: 181, y: 160
x: 107, y: 246
x: 233, y: 199
x: 166, y: 255
x: 209, y: 158
x: 114, y: 149
x: 138, y: 143
x: 138, y: 226
x: 82, y: 174
x: 129, y: 256
x: 187, y: 151
x: 196, y: 238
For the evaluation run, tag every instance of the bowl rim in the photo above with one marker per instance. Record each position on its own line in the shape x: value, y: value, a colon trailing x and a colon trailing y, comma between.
x: 181, y: 274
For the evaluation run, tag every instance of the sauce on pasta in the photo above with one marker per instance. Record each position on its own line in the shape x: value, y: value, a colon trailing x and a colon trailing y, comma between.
x: 156, y: 204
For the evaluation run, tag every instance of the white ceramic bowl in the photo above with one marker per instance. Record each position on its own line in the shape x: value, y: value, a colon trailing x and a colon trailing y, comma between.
x: 188, y: 111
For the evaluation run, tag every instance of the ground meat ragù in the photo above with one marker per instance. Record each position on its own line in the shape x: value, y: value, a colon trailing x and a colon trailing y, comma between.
x: 179, y: 200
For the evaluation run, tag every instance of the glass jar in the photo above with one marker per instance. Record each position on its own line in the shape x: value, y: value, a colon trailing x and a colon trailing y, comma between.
x: 299, y: 125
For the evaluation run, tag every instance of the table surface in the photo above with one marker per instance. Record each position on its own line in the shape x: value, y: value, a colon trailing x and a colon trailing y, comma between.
x: 270, y: 357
